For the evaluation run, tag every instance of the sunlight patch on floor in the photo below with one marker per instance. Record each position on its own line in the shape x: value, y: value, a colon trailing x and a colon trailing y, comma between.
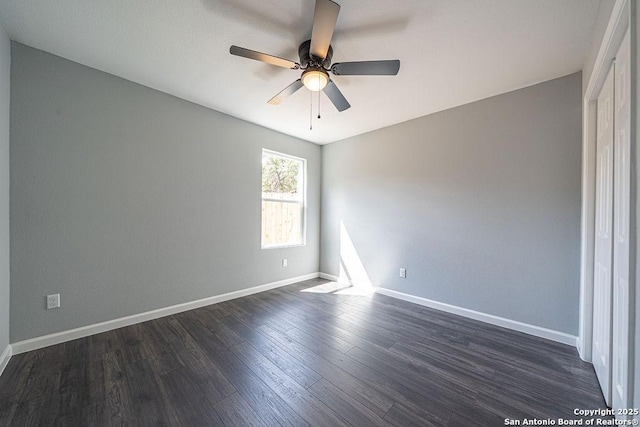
x: 356, y: 291
x: 327, y: 288
x: 339, y: 288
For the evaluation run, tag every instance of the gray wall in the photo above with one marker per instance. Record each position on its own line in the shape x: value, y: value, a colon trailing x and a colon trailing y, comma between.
x: 125, y: 199
x: 480, y: 203
x: 5, y: 71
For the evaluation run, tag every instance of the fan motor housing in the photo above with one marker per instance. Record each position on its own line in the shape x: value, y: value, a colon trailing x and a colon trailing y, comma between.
x: 307, y: 60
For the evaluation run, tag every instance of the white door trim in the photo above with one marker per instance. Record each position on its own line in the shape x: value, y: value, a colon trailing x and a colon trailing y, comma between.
x: 616, y: 29
x: 622, y: 312
x: 622, y: 19
x: 604, y: 236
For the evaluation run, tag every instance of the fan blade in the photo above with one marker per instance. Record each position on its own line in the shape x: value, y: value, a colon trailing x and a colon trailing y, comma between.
x: 324, y: 22
x: 366, y: 68
x: 287, y: 91
x: 336, y: 97
x: 263, y: 57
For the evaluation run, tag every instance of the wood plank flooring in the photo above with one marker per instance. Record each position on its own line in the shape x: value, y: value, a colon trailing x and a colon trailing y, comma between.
x: 295, y: 358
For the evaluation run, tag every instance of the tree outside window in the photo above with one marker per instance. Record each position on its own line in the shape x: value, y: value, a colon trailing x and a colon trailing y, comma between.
x: 282, y: 200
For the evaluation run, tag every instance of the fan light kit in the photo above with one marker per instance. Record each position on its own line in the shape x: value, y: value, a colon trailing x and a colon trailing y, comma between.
x: 315, y: 60
x: 315, y: 80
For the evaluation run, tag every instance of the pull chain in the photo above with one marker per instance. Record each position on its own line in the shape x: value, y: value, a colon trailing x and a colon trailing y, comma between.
x: 318, y: 96
x: 310, y: 110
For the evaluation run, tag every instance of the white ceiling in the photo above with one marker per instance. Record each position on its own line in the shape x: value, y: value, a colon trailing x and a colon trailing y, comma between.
x: 452, y: 51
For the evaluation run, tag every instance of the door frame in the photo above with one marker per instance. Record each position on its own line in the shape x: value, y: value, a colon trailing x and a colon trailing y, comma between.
x: 619, y: 22
x: 605, y: 217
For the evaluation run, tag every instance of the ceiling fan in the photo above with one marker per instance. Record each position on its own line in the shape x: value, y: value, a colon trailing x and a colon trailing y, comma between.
x: 315, y: 60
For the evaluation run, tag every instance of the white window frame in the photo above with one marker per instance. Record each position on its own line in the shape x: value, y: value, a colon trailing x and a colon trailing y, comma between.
x: 302, y: 202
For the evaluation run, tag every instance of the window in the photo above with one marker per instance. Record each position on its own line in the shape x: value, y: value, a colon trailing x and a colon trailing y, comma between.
x: 283, y: 200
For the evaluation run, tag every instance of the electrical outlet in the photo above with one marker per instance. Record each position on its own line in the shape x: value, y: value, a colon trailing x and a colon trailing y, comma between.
x: 53, y: 301
x: 403, y: 273
x: 284, y: 262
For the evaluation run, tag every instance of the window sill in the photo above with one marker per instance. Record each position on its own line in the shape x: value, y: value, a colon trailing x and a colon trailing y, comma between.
x: 296, y: 245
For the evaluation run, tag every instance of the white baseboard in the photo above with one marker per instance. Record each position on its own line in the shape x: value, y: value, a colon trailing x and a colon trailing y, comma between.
x: 537, y: 331
x: 85, y: 331
x: 4, y: 358
x: 581, y: 353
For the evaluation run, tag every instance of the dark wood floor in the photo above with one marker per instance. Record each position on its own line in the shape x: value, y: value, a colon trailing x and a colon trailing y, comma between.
x: 288, y: 357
